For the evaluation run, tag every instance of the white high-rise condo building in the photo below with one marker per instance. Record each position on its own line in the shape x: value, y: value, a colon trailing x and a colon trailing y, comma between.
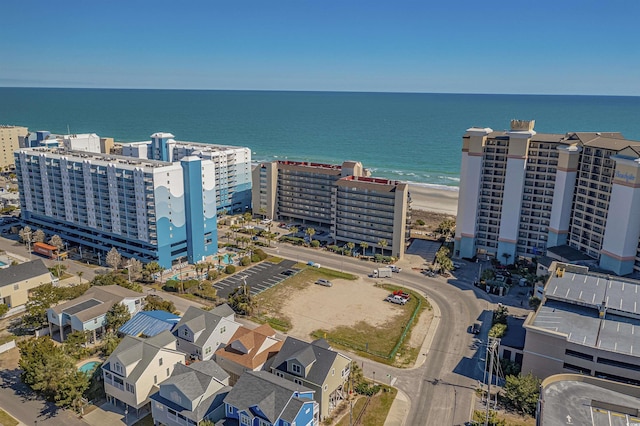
x: 522, y: 192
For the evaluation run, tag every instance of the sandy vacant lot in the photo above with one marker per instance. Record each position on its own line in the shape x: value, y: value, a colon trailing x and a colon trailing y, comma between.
x: 345, y: 304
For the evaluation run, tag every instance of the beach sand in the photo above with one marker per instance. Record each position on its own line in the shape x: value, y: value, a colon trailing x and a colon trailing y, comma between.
x: 433, y: 200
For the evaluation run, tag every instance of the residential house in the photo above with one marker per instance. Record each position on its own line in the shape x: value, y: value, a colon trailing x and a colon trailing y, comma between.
x: 200, y: 333
x: 136, y: 368
x: 316, y: 366
x: 88, y: 313
x: 17, y: 281
x: 248, y: 350
x: 193, y: 393
x: 149, y: 323
x: 262, y: 399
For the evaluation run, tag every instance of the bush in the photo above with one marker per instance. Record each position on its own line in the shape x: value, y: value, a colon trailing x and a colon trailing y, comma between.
x: 207, y: 292
x: 212, y: 275
x: 171, y: 285
x: 229, y: 269
x: 188, y: 284
x: 315, y: 243
x: 498, y: 331
x: 245, y: 261
x: 420, y: 222
x: 364, y: 389
x: 260, y: 253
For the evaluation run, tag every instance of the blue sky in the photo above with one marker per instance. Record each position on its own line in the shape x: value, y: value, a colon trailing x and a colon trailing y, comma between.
x: 545, y: 47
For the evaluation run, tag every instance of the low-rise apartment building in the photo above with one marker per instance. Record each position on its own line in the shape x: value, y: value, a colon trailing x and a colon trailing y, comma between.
x: 585, y: 324
x: 345, y: 199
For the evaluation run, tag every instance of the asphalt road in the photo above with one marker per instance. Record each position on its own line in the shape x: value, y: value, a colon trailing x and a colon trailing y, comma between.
x: 441, y: 391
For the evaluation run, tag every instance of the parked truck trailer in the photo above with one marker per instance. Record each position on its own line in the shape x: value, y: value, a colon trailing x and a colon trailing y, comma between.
x: 382, y: 272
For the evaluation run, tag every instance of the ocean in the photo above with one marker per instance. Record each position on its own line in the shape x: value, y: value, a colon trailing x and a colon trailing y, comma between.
x: 415, y: 137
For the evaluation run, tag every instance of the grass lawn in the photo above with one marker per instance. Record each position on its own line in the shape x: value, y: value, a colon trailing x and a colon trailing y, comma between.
x: 376, y: 412
x: 377, y: 342
x: 6, y: 419
x: 271, y: 300
x: 6, y: 339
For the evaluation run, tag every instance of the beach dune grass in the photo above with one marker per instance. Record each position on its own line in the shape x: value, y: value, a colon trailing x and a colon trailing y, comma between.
x: 377, y: 342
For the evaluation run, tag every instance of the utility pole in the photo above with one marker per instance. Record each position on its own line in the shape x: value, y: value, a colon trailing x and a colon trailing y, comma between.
x: 490, y: 346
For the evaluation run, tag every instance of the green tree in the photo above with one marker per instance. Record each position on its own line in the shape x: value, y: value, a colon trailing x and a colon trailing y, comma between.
x: 506, y: 257
x: 74, y: 345
x: 294, y: 230
x: 156, y: 303
x: 534, y: 302
x: 113, y: 278
x: 480, y: 417
x: 114, y: 258
x: 351, y: 245
x: 522, y: 392
x: 382, y: 243
x: 498, y: 330
x: 3, y: 309
x: 40, y: 299
x: 446, y: 228
x: 241, y: 300
x: 117, y: 316
x: 110, y: 342
x: 500, y: 315
x: 52, y: 373
x: 310, y: 233
x: 442, y: 258
x: 364, y: 246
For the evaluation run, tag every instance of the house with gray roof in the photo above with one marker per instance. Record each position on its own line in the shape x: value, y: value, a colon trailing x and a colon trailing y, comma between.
x: 135, y: 369
x: 17, y: 280
x: 201, y: 333
x: 88, y: 313
x: 316, y: 366
x: 193, y: 393
x: 261, y: 398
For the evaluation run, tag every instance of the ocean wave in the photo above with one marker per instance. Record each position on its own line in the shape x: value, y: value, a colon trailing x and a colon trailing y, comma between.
x: 434, y: 186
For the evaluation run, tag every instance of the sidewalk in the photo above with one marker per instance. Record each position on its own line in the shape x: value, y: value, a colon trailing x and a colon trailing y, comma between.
x: 400, y: 407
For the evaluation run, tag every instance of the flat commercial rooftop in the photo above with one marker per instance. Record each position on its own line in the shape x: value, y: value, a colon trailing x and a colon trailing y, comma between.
x: 595, y: 290
x: 569, y: 402
x: 583, y: 326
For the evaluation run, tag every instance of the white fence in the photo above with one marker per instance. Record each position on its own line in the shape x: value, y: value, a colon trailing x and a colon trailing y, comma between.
x: 7, y: 346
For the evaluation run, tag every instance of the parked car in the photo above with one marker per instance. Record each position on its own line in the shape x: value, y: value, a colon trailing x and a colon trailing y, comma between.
x: 402, y: 294
x: 457, y: 265
x: 396, y: 299
x: 475, y: 328
x: 395, y: 269
x: 325, y: 283
x: 315, y: 265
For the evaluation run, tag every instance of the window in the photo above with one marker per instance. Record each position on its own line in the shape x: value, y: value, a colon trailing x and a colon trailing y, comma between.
x: 279, y: 374
x: 167, y: 371
x: 578, y: 354
x: 130, y: 388
x: 245, y: 420
x: 160, y: 361
x: 223, y: 329
x: 16, y: 286
x: 296, y: 368
x: 229, y: 409
x: 297, y: 382
x: 325, y: 387
x: 333, y: 371
x: 155, y: 380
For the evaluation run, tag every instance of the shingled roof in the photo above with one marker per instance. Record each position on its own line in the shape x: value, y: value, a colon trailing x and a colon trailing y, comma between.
x: 251, y: 348
x: 23, y: 271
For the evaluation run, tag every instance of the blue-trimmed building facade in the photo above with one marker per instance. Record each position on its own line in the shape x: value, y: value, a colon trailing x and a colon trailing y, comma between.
x: 146, y: 209
x: 232, y: 166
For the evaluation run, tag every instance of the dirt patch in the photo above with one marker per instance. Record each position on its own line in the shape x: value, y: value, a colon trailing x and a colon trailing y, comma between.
x: 431, y: 219
x: 345, y: 304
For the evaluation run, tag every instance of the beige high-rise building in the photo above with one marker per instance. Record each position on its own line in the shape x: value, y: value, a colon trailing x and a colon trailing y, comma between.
x: 9, y: 142
x: 522, y: 192
x: 344, y: 199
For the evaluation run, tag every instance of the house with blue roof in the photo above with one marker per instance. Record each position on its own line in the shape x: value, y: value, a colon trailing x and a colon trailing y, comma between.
x: 149, y: 323
x: 260, y: 398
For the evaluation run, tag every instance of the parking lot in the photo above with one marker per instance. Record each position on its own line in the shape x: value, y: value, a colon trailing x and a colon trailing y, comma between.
x: 258, y: 278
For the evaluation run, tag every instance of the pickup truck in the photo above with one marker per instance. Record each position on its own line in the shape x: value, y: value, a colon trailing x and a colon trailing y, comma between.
x: 402, y: 294
x: 396, y: 299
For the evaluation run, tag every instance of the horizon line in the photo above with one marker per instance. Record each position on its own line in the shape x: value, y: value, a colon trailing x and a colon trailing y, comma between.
x: 313, y: 91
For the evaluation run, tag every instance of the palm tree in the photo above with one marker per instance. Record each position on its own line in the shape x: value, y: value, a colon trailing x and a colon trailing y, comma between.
x: 80, y: 274
x: 294, y: 230
x: 364, y: 246
x: 351, y: 245
x: 228, y: 235
x: 382, y: 243
x: 310, y: 232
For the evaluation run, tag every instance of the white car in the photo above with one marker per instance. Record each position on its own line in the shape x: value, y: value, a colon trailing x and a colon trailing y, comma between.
x: 325, y: 283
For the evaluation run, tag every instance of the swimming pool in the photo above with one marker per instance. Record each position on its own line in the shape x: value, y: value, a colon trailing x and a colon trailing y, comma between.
x: 88, y: 367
